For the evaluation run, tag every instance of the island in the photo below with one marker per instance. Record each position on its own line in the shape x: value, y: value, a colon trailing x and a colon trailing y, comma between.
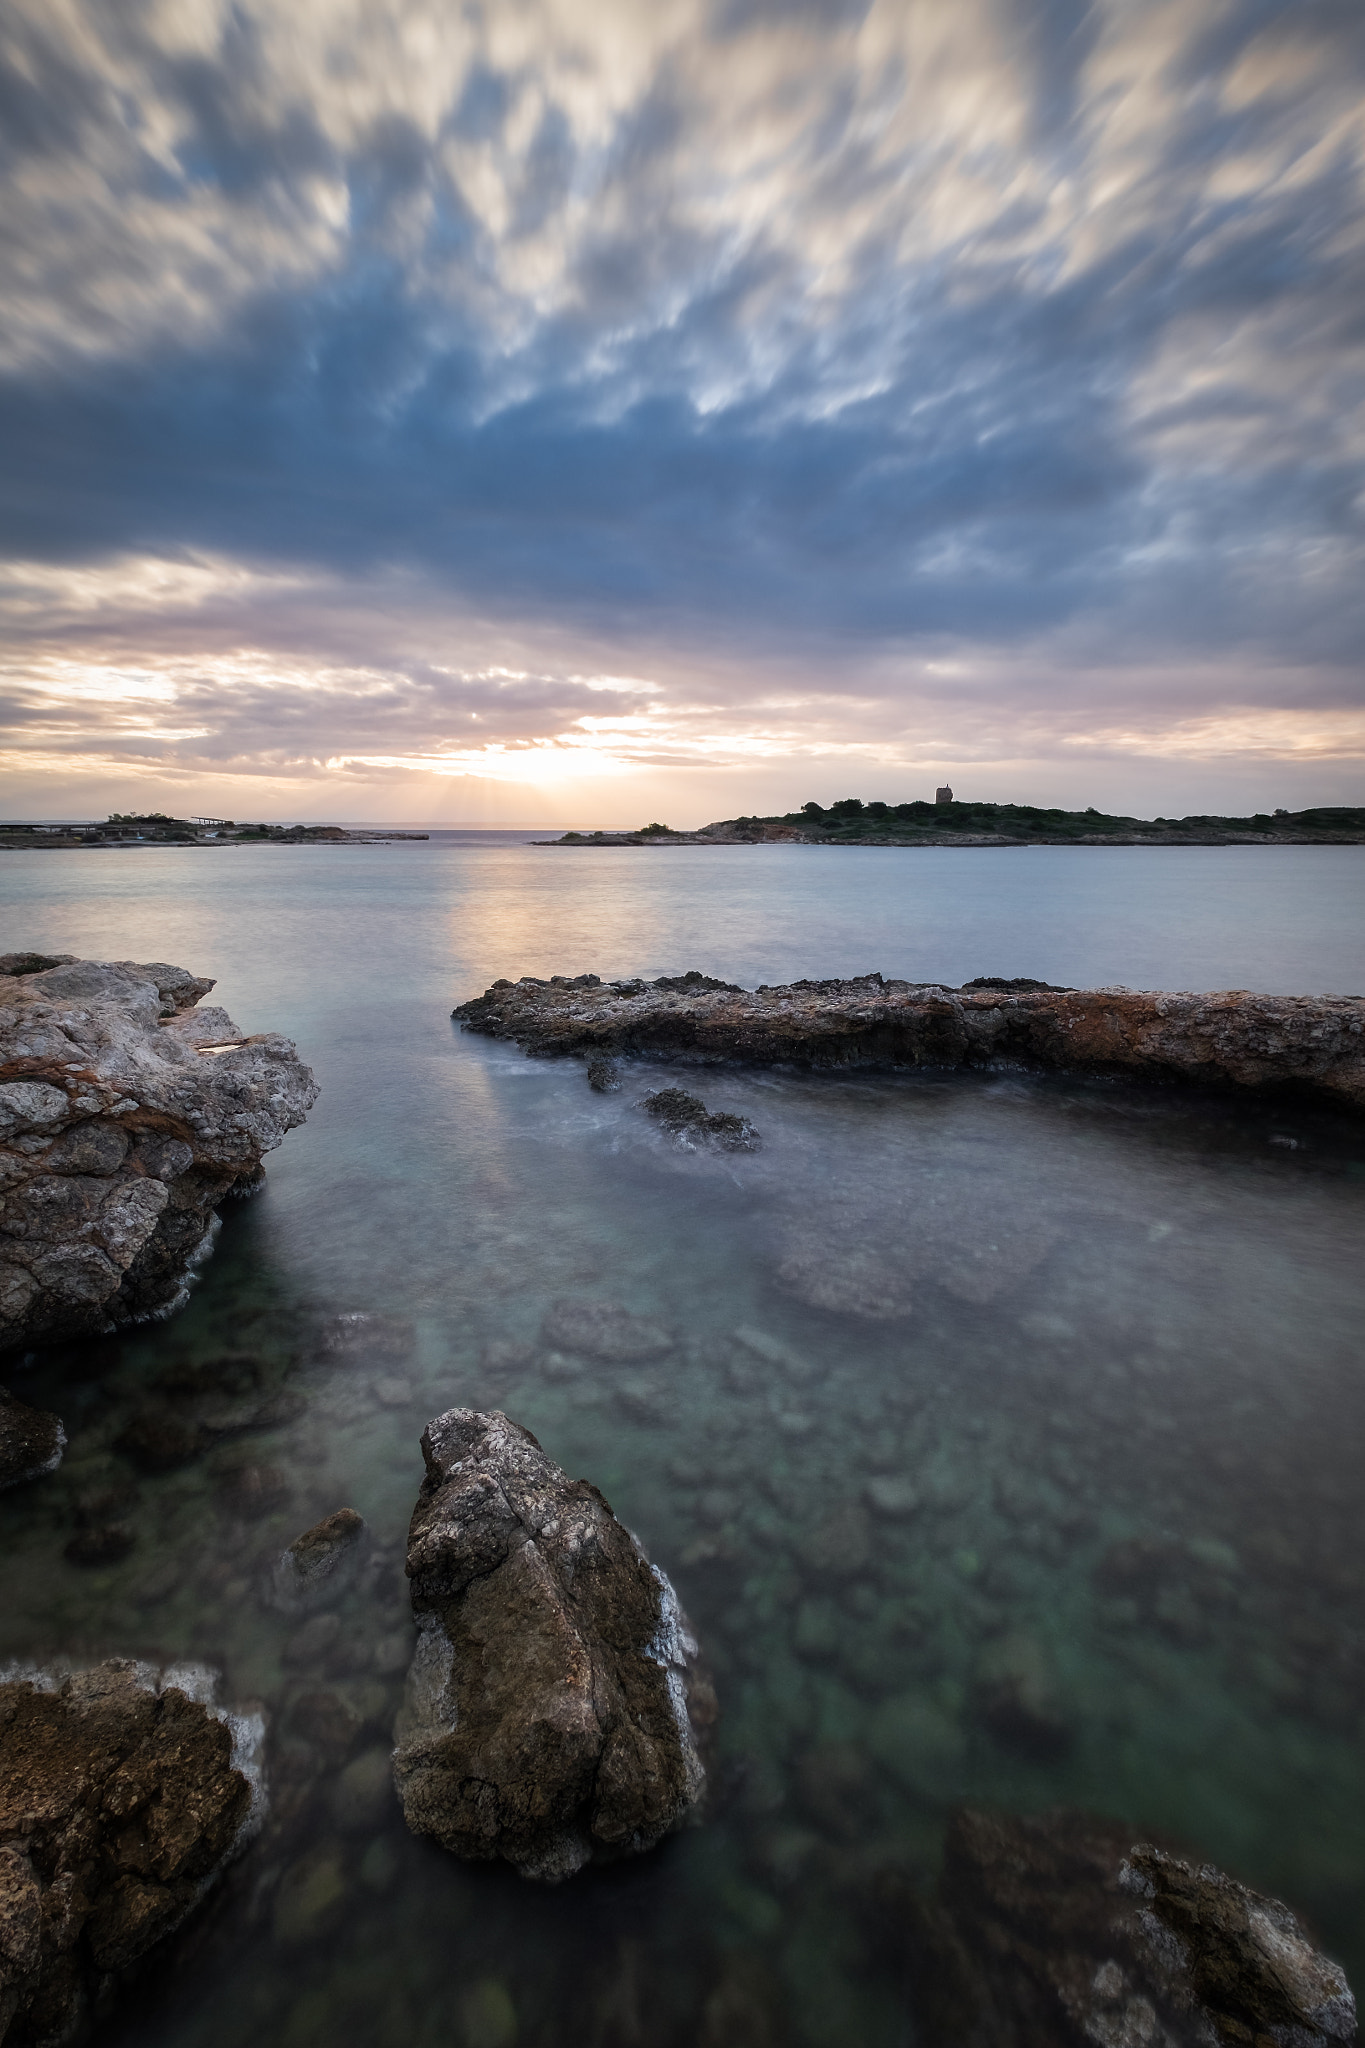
x: 948, y: 822
x: 157, y: 828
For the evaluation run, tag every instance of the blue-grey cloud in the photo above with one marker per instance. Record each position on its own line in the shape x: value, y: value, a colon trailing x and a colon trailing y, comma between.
x: 827, y: 326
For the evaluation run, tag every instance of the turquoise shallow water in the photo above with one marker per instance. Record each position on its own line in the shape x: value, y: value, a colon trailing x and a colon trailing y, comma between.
x: 1110, y: 1338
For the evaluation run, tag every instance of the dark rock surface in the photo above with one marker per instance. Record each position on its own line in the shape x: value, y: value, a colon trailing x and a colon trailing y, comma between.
x: 126, y: 1115
x: 688, y: 1118
x: 553, y: 1704
x: 320, y: 1564
x: 121, y: 1798
x: 604, y: 1076
x: 1065, y: 1931
x: 1313, y: 1044
x: 31, y: 1441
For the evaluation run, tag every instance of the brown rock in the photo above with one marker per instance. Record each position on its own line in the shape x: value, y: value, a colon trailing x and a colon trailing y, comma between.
x: 1065, y: 1931
x: 1235, y: 1039
x: 119, y: 1803
x: 319, y: 1565
x: 546, y: 1719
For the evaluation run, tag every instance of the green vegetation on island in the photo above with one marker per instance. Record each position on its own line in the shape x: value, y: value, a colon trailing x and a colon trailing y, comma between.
x: 947, y: 822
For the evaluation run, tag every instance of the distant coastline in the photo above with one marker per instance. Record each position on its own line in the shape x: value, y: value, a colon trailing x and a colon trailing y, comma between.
x: 851, y: 822
x: 155, y: 828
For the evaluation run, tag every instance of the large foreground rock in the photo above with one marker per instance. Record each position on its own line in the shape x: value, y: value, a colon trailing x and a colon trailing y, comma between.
x: 126, y: 1115
x: 1064, y: 1931
x: 1313, y: 1044
x: 547, y: 1717
x: 121, y: 1798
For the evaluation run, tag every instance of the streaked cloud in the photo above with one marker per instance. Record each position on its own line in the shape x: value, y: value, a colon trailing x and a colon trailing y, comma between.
x: 558, y: 395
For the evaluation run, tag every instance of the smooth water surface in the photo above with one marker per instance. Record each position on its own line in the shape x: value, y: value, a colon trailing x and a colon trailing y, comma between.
x: 1008, y: 1446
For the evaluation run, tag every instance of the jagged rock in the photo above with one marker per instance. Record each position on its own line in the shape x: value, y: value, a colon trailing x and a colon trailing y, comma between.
x: 125, y: 1118
x: 605, y: 1330
x: 1234, y: 1039
x: 1066, y: 1931
x: 549, y: 1709
x: 604, y: 1076
x: 31, y: 1441
x: 123, y: 1792
x: 320, y: 1564
x: 688, y: 1118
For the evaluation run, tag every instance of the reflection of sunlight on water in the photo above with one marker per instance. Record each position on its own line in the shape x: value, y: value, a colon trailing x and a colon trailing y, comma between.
x: 1006, y: 1447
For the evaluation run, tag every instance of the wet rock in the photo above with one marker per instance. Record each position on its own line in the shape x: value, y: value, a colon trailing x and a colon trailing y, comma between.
x: 894, y: 1498
x: 157, y: 1440
x: 837, y: 1786
x: 104, y: 1543
x: 319, y: 1565
x: 547, y: 1711
x: 604, y: 1075
x: 31, y: 1441
x: 488, y: 2015
x: 119, y: 1137
x: 250, y: 1492
x: 841, y: 1545
x: 362, y: 1798
x: 688, y: 1119
x: 311, y: 1896
x: 745, y: 2008
x: 605, y: 1330
x: 326, y: 1722
x: 919, y: 1744
x: 1070, y: 1930
x: 1018, y: 1697
x: 310, y: 1643
x: 1315, y: 1044
x: 121, y: 1798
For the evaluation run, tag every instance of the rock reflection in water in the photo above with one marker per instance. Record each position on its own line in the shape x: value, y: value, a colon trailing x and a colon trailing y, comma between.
x: 1000, y: 1438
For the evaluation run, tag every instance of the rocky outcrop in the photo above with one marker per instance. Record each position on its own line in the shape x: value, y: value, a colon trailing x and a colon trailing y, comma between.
x: 692, y: 1123
x: 123, y: 1792
x: 553, y: 1705
x: 31, y: 1441
x: 127, y: 1113
x: 1312, y: 1044
x: 1064, y: 1931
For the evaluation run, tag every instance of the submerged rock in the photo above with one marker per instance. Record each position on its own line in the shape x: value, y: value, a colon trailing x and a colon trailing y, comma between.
x: 122, y: 1795
x: 688, y: 1118
x: 1065, y: 1930
x: 605, y: 1330
x: 319, y: 1565
x: 31, y: 1441
x: 547, y: 1714
x: 126, y: 1116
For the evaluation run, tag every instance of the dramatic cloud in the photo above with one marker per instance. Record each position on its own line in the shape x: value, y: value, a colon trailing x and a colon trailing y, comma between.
x: 707, y: 395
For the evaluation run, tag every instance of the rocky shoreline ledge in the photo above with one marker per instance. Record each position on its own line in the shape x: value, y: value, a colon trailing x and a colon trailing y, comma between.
x: 1311, y: 1045
x: 127, y: 1114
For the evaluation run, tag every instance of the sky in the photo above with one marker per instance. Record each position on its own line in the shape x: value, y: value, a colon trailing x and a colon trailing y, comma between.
x: 589, y: 411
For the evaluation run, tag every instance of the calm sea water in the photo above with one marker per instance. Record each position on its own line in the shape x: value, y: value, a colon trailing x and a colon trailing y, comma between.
x: 1110, y: 1337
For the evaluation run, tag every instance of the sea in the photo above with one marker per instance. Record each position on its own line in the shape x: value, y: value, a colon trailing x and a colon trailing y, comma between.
x: 974, y: 1389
